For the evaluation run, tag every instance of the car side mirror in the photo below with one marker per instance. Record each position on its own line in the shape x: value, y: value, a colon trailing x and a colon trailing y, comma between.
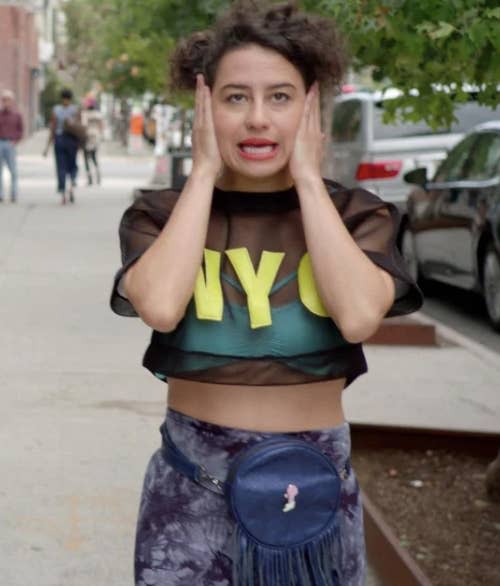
x: 417, y: 177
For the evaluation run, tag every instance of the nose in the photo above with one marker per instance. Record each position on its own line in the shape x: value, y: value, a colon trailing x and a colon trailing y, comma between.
x: 257, y: 116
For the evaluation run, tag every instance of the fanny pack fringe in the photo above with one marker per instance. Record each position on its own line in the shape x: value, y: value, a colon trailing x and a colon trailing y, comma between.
x: 316, y: 563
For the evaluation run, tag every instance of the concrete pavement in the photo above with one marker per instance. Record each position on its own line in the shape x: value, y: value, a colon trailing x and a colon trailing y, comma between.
x: 455, y: 385
x: 80, y: 415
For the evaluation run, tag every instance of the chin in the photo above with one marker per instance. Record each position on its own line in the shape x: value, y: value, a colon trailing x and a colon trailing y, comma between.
x: 262, y: 170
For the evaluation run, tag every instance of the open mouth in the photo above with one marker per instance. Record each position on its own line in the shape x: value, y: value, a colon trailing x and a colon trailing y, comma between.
x: 257, y: 150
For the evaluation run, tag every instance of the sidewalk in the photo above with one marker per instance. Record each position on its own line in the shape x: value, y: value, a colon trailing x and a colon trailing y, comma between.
x: 80, y: 415
x: 455, y: 385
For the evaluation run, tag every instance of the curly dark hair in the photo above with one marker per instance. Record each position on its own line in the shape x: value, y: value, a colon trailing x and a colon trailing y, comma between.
x: 66, y: 94
x: 309, y: 42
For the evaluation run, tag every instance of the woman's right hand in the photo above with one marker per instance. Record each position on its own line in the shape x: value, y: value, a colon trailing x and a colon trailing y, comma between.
x: 206, y: 156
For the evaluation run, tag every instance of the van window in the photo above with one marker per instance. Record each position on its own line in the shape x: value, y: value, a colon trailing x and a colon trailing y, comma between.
x: 468, y: 115
x: 346, y: 125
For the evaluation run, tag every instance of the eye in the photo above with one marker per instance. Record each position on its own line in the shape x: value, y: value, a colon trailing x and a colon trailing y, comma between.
x: 236, y: 98
x: 280, y: 97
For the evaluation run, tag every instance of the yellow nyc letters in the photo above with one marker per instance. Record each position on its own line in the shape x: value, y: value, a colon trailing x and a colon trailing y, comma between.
x: 208, y: 297
x: 208, y: 290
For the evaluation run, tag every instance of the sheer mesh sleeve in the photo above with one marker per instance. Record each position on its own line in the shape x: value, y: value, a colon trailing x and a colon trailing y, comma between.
x: 140, y: 225
x: 374, y: 225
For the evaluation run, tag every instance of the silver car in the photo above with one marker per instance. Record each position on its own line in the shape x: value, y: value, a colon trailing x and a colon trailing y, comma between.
x: 370, y: 154
x: 453, y: 229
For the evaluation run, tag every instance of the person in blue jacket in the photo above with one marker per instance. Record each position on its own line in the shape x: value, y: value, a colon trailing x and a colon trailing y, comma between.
x: 66, y: 145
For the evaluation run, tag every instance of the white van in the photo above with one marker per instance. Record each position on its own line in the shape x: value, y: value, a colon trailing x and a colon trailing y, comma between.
x: 368, y: 153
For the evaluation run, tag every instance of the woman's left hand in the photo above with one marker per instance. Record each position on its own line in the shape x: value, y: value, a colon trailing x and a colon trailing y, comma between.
x: 307, y: 154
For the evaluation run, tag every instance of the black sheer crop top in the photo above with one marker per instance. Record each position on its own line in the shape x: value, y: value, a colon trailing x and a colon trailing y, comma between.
x: 256, y: 317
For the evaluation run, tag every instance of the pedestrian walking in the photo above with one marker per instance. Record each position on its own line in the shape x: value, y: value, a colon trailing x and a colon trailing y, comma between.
x: 11, y: 132
x: 67, y: 136
x: 260, y: 280
x: 92, y: 120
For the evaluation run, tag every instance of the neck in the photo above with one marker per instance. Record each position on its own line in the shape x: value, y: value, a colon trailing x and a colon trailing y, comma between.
x: 230, y: 181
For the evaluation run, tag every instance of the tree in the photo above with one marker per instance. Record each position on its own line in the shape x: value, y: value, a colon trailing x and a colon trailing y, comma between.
x: 432, y: 48
x: 49, y: 96
x: 437, y: 52
x: 126, y: 43
x: 85, y: 25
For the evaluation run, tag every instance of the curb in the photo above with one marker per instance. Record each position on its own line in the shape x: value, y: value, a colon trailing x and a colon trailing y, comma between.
x: 393, y: 564
x: 404, y: 331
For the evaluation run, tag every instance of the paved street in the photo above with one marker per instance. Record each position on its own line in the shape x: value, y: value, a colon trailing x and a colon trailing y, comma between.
x: 464, y: 311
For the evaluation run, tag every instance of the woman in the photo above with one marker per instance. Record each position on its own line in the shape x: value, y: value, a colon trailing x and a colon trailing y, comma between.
x: 65, y: 145
x: 260, y: 280
x: 93, y: 123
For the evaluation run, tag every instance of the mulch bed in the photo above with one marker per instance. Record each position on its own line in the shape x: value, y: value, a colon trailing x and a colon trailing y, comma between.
x: 435, y: 502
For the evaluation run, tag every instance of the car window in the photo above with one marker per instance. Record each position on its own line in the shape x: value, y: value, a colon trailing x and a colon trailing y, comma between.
x: 452, y: 168
x: 485, y: 157
x: 468, y: 115
x: 346, y: 125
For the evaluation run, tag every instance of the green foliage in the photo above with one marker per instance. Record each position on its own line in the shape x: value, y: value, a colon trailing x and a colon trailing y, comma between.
x: 419, y: 45
x: 85, y: 26
x: 125, y: 44
x: 433, y: 46
x: 49, y: 96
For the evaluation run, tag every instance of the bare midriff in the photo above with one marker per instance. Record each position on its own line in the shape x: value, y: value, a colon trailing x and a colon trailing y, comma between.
x: 261, y: 408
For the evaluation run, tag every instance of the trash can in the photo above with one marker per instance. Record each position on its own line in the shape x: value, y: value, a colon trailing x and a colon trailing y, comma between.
x: 181, y: 167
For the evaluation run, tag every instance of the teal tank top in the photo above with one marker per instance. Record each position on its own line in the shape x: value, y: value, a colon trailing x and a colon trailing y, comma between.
x: 295, y: 331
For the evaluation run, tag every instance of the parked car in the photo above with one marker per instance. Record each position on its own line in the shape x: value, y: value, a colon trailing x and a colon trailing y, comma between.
x: 453, y: 229
x: 367, y: 152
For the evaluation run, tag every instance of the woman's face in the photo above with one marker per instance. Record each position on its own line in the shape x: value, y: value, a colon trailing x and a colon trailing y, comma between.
x: 257, y: 102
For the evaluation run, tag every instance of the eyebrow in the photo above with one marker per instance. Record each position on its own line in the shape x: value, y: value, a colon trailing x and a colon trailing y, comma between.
x: 242, y: 86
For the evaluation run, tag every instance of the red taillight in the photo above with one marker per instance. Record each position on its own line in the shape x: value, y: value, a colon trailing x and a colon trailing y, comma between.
x: 378, y: 170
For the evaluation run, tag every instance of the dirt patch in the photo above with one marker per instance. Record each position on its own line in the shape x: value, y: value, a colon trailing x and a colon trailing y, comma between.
x: 435, y: 501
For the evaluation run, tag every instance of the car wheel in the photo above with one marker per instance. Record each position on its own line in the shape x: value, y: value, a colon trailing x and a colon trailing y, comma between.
x: 491, y: 285
x: 410, y: 254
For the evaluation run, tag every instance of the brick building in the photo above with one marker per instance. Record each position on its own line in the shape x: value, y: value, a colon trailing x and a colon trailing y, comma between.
x: 19, y: 64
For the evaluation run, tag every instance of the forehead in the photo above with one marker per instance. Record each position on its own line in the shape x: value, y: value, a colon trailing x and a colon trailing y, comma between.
x: 253, y: 65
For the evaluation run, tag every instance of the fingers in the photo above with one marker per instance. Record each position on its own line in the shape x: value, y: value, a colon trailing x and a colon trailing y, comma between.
x: 316, y: 108
x: 203, y: 103
x: 207, y: 103
x: 309, y: 146
x: 205, y: 149
x: 311, y: 120
x: 198, y: 108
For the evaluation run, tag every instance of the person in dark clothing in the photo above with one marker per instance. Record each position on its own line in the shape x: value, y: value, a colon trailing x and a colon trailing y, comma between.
x: 260, y: 280
x: 65, y: 146
x: 11, y: 132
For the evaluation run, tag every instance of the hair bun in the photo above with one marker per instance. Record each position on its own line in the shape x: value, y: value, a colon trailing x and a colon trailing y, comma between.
x: 188, y: 60
x: 281, y: 12
x: 309, y: 41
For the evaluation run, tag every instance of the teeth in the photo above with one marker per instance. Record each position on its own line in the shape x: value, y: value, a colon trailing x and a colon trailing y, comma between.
x: 257, y: 149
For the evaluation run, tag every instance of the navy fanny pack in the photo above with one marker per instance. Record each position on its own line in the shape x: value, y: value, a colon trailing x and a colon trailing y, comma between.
x: 284, y: 496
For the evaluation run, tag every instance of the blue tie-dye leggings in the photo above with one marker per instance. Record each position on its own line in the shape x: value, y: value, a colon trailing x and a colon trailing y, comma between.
x: 184, y: 530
